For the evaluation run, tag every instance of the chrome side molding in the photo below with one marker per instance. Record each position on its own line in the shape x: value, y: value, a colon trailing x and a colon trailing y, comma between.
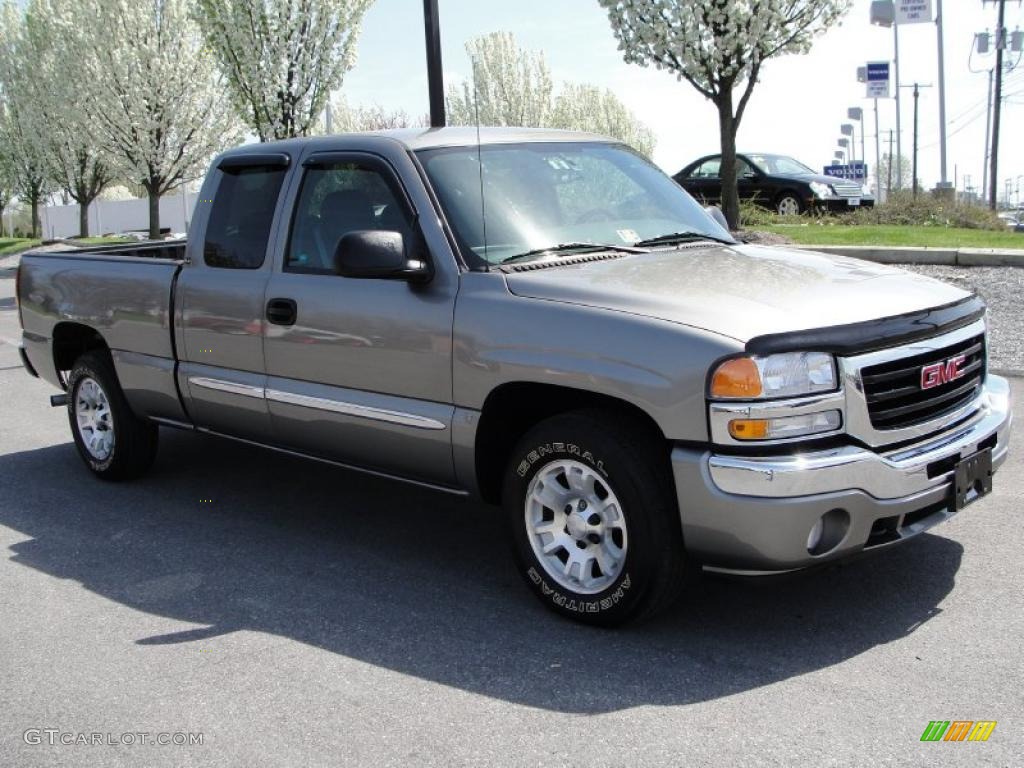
x: 354, y: 409
x: 233, y: 387
x: 319, y: 403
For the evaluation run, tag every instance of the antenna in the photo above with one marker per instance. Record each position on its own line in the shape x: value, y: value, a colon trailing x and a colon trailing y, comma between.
x: 479, y: 156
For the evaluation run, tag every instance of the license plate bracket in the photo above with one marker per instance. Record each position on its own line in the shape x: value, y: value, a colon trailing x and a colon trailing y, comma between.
x: 972, y: 479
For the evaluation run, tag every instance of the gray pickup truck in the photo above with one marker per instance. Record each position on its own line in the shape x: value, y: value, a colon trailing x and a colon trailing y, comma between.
x: 541, y: 320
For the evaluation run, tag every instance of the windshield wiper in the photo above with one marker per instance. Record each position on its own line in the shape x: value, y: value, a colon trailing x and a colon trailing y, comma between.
x: 682, y: 237
x: 569, y: 248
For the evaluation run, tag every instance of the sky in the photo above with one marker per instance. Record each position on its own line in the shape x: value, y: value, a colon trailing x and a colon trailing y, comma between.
x: 796, y: 109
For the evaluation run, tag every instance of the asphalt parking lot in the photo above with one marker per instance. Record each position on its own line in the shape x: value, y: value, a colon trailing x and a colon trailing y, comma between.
x: 295, y: 614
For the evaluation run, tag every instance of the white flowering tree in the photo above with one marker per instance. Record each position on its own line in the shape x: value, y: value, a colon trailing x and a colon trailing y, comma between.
x: 346, y: 118
x: 282, y: 58
x: 153, y: 99
x: 512, y: 86
x: 75, y: 163
x: 719, y: 47
x: 22, y: 126
x: 582, y: 107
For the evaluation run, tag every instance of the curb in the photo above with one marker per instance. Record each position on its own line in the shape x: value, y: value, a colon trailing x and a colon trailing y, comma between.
x: 950, y: 257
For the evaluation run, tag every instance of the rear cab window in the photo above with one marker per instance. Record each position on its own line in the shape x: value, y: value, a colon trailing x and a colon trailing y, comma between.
x: 238, y: 230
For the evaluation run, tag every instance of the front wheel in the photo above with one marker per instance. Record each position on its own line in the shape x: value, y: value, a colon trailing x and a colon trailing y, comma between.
x: 593, y: 517
x: 113, y: 442
x: 789, y: 205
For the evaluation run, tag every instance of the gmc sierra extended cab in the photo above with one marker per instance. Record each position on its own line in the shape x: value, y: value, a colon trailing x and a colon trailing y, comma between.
x: 545, y: 321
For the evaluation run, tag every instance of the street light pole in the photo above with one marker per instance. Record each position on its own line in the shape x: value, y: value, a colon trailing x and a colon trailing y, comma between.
x: 944, y: 182
x: 435, y: 74
x: 896, y: 58
x: 878, y: 158
x: 916, y: 97
x: 988, y: 136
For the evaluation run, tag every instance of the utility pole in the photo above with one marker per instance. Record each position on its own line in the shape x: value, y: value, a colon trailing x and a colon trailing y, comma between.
x: 917, y: 94
x: 994, y: 160
x: 899, y: 134
x: 435, y: 74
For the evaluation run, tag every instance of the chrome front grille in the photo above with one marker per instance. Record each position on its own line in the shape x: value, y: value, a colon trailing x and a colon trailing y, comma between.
x: 895, y: 392
x: 885, y: 403
x: 847, y: 189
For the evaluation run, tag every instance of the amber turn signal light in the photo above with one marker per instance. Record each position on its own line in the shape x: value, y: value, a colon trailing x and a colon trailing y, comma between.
x: 748, y: 429
x: 738, y: 377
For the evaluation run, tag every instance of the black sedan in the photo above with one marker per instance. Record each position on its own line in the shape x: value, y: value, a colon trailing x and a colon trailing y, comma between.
x: 776, y: 182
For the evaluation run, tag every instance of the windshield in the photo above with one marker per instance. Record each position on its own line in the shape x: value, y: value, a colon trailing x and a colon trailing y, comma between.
x: 779, y: 165
x: 539, y: 196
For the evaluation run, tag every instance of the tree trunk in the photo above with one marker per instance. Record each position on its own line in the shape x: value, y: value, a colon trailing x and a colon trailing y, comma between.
x: 36, y: 228
x: 154, y: 212
x: 83, y: 220
x: 727, y: 170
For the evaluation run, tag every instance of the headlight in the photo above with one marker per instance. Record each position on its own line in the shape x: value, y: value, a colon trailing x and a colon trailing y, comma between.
x: 789, y: 374
x: 822, y: 190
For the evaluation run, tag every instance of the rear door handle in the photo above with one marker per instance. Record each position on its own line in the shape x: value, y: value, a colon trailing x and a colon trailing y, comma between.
x: 282, y: 311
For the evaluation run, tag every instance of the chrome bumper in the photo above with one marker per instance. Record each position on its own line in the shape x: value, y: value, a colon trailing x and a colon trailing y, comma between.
x: 757, y: 513
x: 892, y: 475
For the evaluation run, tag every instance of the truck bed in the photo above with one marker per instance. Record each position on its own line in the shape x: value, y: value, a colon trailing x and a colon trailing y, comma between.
x: 124, y: 293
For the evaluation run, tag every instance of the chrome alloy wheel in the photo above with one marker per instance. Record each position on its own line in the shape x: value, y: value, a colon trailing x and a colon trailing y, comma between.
x: 789, y: 206
x: 95, y: 423
x: 576, y: 526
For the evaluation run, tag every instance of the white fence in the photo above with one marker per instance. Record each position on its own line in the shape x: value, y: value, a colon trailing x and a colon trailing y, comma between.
x: 114, y: 216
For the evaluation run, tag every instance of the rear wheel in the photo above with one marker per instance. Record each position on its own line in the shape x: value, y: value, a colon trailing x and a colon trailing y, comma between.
x: 113, y: 442
x: 593, y: 518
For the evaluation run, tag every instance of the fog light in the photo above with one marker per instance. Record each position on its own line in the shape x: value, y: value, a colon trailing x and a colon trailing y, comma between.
x: 814, y: 537
x: 785, y: 426
x: 828, y: 532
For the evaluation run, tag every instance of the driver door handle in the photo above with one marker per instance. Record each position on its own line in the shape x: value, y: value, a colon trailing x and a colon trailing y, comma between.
x: 282, y: 311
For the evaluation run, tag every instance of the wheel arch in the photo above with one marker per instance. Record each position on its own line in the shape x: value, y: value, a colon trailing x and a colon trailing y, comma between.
x: 513, y: 408
x: 71, y: 340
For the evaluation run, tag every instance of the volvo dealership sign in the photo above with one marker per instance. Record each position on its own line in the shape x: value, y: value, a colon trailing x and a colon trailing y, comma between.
x: 878, y: 79
x: 855, y: 171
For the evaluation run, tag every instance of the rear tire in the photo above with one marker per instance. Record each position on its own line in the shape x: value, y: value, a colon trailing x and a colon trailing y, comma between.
x: 593, y: 517
x: 113, y: 442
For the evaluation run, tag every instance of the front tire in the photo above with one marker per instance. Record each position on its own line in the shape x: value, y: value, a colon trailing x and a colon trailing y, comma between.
x: 113, y: 442
x: 593, y: 518
x: 788, y: 204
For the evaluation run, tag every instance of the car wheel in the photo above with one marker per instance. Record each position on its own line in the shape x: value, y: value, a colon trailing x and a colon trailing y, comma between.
x: 788, y: 205
x: 593, y: 517
x: 113, y: 442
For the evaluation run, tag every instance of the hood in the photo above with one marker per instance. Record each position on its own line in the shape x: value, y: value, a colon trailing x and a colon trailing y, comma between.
x: 740, y: 291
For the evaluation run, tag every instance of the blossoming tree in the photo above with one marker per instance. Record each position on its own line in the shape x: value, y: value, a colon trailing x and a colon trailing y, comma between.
x: 513, y: 86
x: 75, y: 164
x: 719, y: 47
x: 282, y: 58
x: 150, y: 90
x: 22, y: 127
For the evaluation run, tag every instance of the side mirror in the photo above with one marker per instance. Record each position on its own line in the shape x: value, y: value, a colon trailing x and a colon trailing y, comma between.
x: 716, y: 213
x: 378, y: 254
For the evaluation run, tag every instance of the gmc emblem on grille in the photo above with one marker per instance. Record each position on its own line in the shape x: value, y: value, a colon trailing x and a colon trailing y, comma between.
x: 944, y: 372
